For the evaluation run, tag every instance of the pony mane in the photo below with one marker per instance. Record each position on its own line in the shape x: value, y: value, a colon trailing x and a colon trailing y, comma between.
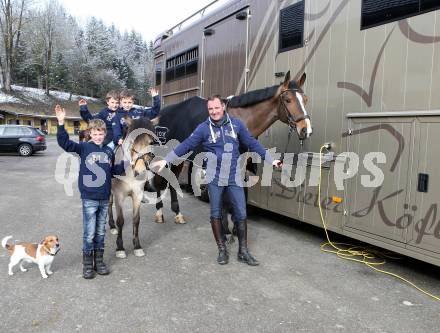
x: 142, y: 122
x: 256, y: 96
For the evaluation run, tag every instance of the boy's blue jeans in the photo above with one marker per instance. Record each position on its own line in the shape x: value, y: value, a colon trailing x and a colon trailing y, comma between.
x: 236, y: 197
x: 94, y: 218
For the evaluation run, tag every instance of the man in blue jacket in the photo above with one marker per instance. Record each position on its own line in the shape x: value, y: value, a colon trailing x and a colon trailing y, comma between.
x: 107, y: 114
x: 94, y: 182
x: 218, y: 135
x: 127, y: 109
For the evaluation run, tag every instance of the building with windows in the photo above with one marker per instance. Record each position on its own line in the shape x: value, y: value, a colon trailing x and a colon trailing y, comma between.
x: 42, y: 115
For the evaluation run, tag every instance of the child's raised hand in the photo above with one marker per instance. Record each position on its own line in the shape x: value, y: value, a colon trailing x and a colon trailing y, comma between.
x: 60, y: 113
x: 153, y: 92
x: 82, y: 102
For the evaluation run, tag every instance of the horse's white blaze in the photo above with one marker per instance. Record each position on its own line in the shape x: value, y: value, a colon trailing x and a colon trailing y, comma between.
x: 309, y: 127
x: 301, y: 103
x: 303, y: 109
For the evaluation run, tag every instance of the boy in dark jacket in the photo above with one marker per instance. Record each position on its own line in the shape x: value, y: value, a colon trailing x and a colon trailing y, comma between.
x: 127, y: 109
x: 107, y: 114
x: 95, y: 174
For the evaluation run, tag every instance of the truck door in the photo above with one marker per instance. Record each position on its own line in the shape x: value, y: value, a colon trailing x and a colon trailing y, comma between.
x: 224, y: 54
x: 291, y: 46
x: 423, y: 219
x: 377, y: 212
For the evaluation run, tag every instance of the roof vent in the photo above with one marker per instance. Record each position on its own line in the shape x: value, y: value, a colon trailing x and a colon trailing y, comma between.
x: 208, y: 32
x: 241, y: 16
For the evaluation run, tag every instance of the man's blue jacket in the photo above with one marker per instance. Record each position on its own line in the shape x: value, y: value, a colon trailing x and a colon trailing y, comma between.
x: 223, y: 140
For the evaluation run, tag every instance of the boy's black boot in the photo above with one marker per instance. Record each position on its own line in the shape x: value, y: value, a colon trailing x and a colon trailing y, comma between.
x: 100, y: 267
x: 88, y: 272
x: 223, y: 256
x: 243, y: 251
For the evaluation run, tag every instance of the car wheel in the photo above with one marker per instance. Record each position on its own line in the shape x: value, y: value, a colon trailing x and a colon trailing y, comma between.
x: 25, y: 149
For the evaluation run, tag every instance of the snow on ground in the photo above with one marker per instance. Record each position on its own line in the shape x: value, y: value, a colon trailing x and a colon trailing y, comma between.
x: 31, y: 95
x: 4, y: 98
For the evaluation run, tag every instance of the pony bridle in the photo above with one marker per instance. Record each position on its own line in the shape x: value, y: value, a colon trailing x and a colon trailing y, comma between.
x: 292, y: 121
x: 142, y: 157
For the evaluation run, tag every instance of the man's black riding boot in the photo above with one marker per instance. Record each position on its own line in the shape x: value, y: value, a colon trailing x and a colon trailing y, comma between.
x: 243, y: 251
x: 223, y: 256
x: 100, y: 267
x: 88, y: 272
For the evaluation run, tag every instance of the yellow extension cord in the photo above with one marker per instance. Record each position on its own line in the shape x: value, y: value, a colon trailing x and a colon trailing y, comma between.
x: 352, y: 252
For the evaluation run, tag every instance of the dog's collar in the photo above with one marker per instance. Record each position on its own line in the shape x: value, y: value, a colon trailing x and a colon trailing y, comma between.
x: 48, y: 252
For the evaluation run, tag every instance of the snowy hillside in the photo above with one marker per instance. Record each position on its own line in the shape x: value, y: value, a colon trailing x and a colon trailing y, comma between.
x: 32, y: 101
x: 30, y: 96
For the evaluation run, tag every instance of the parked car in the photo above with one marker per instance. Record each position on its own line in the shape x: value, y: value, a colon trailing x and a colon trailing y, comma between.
x: 23, y: 139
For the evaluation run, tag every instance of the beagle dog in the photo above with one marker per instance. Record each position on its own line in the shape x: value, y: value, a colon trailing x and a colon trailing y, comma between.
x: 41, y: 254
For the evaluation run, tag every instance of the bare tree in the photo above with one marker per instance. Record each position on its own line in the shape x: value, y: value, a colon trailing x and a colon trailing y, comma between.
x: 53, y: 18
x: 11, y: 19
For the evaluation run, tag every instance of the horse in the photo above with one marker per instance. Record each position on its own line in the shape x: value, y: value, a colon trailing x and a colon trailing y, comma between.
x: 257, y: 109
x: 132, y: 183
x: 84, y: 135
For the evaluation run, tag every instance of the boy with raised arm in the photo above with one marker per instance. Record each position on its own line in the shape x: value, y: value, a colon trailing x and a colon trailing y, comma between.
x: 94, y: 182
x: 127, y: 109
x: 107, y: 114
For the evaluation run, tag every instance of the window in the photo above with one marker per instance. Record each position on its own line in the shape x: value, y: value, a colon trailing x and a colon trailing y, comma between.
x: 192, y: 59
x: 170, y: 74
x: 11, y: 131
x: 1, y: 130
x: 158, y: 74
x: 291, y: 27
x: 378, y: 12
x: 182, y: 65
x: 25, y: 131
x: 14, y: 122
x: 427, y: 5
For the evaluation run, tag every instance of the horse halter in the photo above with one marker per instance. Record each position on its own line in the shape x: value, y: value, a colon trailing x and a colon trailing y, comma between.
x: 292, y: 121
x: 141, y: 157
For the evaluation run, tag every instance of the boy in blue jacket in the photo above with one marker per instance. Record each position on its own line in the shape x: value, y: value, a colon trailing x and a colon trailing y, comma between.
x: 107, y: 114
x: 94, y: 182
x: 127, y: 109
x: 221, y: 134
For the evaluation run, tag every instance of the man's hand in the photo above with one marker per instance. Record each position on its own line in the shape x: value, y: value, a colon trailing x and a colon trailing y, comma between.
x: 60, y: 113
x: 158, y: 165
x: 120, y: 141
x: 82, y: 102
x: 277, y: 164
x: 153, y: 92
